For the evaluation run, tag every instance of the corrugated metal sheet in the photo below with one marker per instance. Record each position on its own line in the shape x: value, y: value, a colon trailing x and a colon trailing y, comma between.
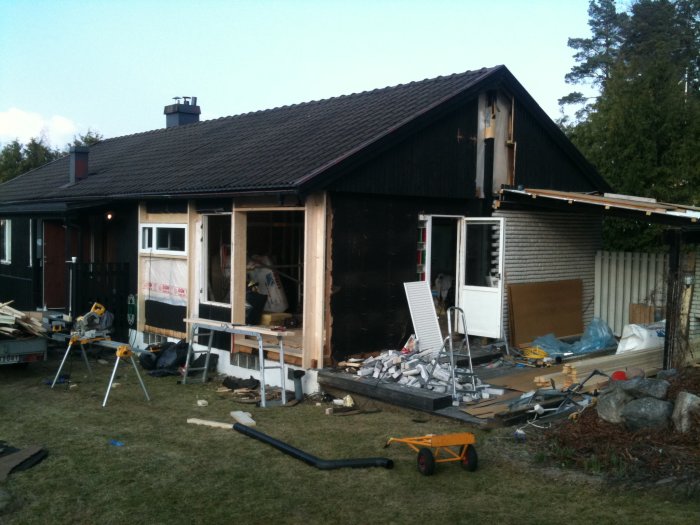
x: 624, y: 278
x: 543, y: 246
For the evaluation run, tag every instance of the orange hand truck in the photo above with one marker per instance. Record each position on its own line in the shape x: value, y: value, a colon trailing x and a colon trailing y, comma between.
x: 447, y: 447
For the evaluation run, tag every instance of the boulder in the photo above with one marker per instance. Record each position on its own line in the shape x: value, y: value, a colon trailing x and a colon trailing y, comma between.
x: 686, y: 405
x: 667, y: 374
x: 640, y: 387
x: 646, y: 412
x: 610, y: 404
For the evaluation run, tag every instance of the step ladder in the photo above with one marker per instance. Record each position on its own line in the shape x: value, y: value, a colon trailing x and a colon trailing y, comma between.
x: 198, y: 332
x: 447, y: 354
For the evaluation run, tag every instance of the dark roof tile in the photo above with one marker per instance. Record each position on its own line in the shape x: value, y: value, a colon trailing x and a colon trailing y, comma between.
x: 276, y: 149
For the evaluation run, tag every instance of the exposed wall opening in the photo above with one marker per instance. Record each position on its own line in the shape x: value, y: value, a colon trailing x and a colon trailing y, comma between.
x: 275, y: 267
x: 217, y: 258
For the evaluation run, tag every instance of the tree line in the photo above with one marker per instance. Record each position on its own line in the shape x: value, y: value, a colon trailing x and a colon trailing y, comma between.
x: 17, y: 158
x: 642, y: 129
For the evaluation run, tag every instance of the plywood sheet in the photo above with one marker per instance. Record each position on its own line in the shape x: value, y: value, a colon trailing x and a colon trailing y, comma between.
x: 546, y: 307
x: 641, y: 313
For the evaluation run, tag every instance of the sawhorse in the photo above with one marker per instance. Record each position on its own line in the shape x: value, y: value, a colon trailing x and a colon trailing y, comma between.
x: 246, y: 330
x: 81, y: 341
x: 123, y: 351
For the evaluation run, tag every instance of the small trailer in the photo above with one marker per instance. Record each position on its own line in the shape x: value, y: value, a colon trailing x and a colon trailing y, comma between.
x: 26, y: 350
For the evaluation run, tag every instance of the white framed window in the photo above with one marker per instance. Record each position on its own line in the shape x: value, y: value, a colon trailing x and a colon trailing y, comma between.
x: 163, y: 239
x: 5, y: 241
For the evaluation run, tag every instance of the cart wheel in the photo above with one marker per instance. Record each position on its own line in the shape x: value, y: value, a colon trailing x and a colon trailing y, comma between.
x: 470, y: 459
x: 426, y: 462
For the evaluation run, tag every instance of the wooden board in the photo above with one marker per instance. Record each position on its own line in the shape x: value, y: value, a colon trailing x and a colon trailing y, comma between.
x: 641, y: 314
x: 541, y: 308
x: 521, y: 379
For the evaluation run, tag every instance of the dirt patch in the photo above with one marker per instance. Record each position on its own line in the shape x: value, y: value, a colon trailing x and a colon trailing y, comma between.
x: 662, y: 457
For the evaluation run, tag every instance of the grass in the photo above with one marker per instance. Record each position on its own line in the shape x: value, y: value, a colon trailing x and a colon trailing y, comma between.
x: 168, y: 471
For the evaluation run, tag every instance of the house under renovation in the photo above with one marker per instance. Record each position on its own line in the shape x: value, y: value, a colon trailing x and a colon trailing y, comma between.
x: 309, y: 216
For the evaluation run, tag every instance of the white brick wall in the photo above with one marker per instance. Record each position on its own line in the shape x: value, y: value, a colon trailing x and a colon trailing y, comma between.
x: 543, y: 246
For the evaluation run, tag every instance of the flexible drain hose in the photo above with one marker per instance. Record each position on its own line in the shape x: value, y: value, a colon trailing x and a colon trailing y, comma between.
x: 323, y: 464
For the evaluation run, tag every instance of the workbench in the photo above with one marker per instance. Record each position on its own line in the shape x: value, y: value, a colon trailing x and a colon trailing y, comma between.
x: 197, y: 325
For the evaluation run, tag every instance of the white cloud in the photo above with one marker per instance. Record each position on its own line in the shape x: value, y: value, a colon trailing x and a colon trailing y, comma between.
x: 23, y: 125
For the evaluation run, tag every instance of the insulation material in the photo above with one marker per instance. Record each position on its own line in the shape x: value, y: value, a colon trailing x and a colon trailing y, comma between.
x: 269, y: 284
x: 165, y: 280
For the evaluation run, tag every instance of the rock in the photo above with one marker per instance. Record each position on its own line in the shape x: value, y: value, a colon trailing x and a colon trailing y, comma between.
x: 640, y: 387
x: 610, y: 404
x: 686, y: 404
x: 646, y: 412
x: 667, y: 374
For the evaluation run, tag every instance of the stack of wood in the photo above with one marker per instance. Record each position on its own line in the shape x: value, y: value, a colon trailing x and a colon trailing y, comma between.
x: 14, y: 323
x: 650, y: 361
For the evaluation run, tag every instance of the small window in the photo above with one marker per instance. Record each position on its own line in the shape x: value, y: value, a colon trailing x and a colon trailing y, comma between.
x: 5, y: 241
x: 165, y: 239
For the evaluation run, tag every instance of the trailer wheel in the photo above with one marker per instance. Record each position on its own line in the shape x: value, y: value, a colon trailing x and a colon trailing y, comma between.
x: 470, y: 460
x: 426, y: 462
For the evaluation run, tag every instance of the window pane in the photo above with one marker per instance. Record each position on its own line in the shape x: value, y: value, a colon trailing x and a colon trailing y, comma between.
x: 482, y: 255
x: 172, y: 239
x: 5, y: 240
x: 146, y: 238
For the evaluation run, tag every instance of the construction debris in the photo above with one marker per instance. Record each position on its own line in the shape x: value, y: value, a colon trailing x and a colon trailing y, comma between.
x: 650, y: 361
x: 16, y: 324
x: 653, y: 454
x: 415, y: 369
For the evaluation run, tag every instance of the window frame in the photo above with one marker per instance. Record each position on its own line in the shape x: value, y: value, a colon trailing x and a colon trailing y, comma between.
x: 6, y: 233
x: 153, y: 236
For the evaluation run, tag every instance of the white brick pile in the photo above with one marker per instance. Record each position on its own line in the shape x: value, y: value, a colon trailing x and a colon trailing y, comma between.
x: 413, y: 370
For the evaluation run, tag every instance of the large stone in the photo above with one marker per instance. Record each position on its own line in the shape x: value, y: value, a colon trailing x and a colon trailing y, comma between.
x: 667, y: 374
x: 610, y: 404
x: 640, y: 387
x: 686, y: 405
x: 646, y: 412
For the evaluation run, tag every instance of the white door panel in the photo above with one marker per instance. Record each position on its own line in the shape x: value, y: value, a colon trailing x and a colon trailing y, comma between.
x: 480, y: 275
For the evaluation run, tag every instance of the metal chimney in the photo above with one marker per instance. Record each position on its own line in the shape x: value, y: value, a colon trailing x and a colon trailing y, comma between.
x: 181, y: 113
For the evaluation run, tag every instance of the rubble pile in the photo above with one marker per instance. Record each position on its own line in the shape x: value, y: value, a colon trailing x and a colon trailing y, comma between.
x: 415, y: 369
x: 642, y: 453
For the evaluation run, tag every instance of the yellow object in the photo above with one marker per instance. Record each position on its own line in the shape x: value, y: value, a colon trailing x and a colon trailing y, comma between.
x: 274, y: 319
x: 124, y: 352
x: 534, y: 352
x: 98, y: 309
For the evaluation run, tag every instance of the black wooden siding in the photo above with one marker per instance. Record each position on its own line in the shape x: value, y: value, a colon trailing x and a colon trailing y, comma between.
x: 167, y: 316
x: 17, y: 278
x: 436, y: 161
x: 374, y: 253
x: 542, y: 161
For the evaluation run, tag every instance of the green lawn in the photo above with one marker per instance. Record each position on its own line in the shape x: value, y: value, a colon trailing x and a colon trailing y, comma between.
x: 169, y: 472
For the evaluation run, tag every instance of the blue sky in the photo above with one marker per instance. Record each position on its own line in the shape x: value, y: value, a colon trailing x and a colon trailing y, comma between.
x: 66, y: 66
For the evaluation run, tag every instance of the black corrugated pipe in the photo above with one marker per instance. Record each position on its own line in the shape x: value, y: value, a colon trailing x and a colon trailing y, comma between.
x: 323, y: 464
